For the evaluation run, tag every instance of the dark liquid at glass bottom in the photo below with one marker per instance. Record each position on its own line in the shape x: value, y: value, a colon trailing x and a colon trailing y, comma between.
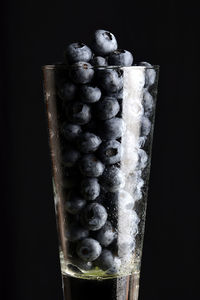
x: 122, y: 288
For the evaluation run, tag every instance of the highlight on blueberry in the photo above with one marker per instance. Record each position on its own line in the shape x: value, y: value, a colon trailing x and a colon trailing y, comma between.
x: 91, y: 166
x: 90, y: 94
x: 90, y: 188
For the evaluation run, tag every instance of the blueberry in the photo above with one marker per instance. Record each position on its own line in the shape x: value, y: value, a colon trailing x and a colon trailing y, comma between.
x: 150, y: 73
x: 107, y: 108
x: 81, y: 72
x: 112, y: 179
x: 74, y: 204
x: 112, y: 129
x: 110, y: 80
x: 88, y: 142
x: 94, y: 216
x: 90, y: 188
x: 89, y: 94
x: 76, y: 52
x: 146, y: 126
x: 110, y: 152
x: 75, y: 232
x: 120, y: 58
x: 118, y: 95
x: 108, y: 262
x: 88, y: 249
x: 78, y: 113
x: 70, y: 156
x: 104, y: 42
x: 99, y: 61
x: 67, y: 91
x: 148, y: 104
x: 90, y: 166
x: 106, y: 234
x: 71, y: 131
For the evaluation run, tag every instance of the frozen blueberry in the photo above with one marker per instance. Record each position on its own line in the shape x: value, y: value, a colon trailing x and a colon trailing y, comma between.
x: 112, y: 129
x: 99, y: 61
x: 70, y: 156
x: 94, y: 216
x: 88, y: 142
x: 90, y: 188
x: 78, y: 113
x: 107, y: 108
x: 82, y: 72
x: 88, y: 249
x: 106, y: 234
x: 67, y: 91
x: 150, y: 74
x: 74, y: 204
x: 104, y: 42
x: 75, y: 232
x: 112, y: 179
x: 90, y: 94
x: 71, y: 131
x: 148, y: 104
x: 146, y: 126
x: 120, y: 58
x: 110, y: 152
x: 76, y: 52
x: 110, y: 80
x: 90, y: 166
x: 108, y: 262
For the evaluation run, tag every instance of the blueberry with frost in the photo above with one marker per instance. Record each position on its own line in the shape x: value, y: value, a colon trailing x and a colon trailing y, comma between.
x: 148, y: 104
x: 78, y: 113
x: 112, y: 179
x: 88, y: 142
x: 110, y: 80
x: 71, y: 131
x: 67, y: 91
x: 107, y: 108
x: 150, y: 73
x: 88, y: 249
x: 94, y: 216
x: 108, y: 262
x: 70, y: 156
x: 120, y: 57
x: 76, y: 52
x: 90, y: 188
x: 90, y: 166
x: 104, y: 42
x: 81, y: 72
x: 145, y: 126
x: 90, y: 94
x: 75, y: 232
x: 74, y: 204
x: 110, y: 152
x: 112, y: 129
x: 99, y: 61
x: 106, y: 235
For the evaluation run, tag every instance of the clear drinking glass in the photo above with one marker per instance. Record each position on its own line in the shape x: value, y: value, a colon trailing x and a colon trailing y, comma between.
x: 121, y: 185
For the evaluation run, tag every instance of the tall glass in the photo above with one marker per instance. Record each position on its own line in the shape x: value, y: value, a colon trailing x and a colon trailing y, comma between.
x: 101, y: 228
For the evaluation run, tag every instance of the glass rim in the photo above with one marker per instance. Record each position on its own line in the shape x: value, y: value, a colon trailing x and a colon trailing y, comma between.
x: 65, y: 66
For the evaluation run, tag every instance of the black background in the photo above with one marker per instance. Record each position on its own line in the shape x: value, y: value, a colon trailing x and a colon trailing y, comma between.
x: 35, y: 33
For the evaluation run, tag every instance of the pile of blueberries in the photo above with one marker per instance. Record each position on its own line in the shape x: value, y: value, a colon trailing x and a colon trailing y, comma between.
x: 89, y: 117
